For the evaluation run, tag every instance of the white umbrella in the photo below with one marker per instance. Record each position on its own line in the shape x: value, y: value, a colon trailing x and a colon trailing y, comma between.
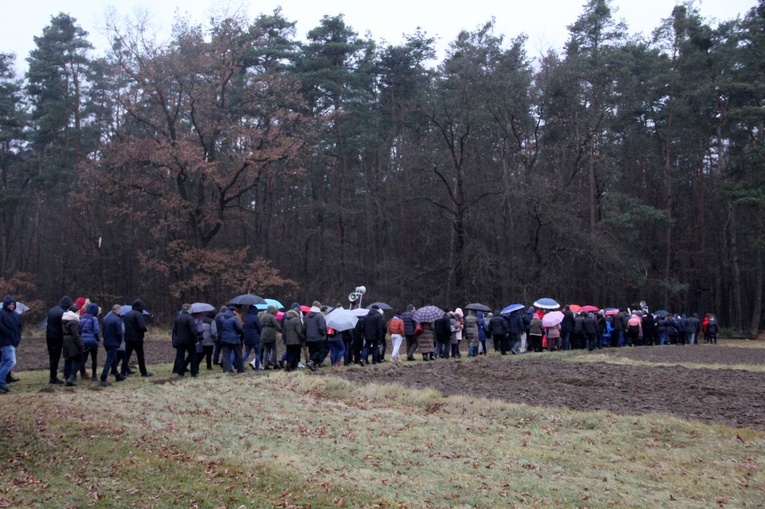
x: 552, y: 319
x: 359, y: 311
x: 201, y: 307
x: 341, y: 319
x: 21, y: 308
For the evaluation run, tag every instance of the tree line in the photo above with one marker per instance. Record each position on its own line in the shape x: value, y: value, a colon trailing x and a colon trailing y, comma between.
x: 234, y: 157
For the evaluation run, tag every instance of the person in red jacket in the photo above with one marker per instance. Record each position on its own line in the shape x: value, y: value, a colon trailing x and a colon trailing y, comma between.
x: 396, y: 330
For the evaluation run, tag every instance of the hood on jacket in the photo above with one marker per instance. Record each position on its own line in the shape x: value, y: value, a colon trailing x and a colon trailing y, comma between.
x: 293, y: 314
x: 138, y: 305
x: 66, y: 302
x: 252, y: 310
x: 479, y: 314
x: 70, y: 315
x: 8, y: 301
x: 295, y: 305
x: 229, y: 313
x: 93, y: 309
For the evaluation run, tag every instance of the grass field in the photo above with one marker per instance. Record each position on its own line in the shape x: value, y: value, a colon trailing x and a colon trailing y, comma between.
x: 302, y: 440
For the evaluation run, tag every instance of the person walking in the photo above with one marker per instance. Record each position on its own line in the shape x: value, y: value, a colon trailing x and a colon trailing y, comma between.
x: 54, y: 336
x: 470, y: 332
x: 315, y: 335
x: 185, y: 337
x: 293, y: 334
x: 252, y: 342
x: 209, y: 337
x: 269, y: 327
x: 10, y: 337
x: 373, y: 332
x: 91, y: 339
x: 591, y: 331
x: 409, y: 332
x: 396, y: 330
x: 135, y: 330
x: 498, y: 332
x: 113, y: 334
x: 231, y: 341
x: 72, y: 345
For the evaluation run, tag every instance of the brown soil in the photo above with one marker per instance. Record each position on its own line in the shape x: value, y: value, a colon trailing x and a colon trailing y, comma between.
x: 724, y: 395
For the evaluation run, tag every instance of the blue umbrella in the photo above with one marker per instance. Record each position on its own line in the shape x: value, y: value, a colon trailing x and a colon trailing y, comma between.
x: 512, y: 308
x: 201, y: 307
x: 270, y: 302
x: 127, y: 307
x: 546, y: 304
x: 661, y: 312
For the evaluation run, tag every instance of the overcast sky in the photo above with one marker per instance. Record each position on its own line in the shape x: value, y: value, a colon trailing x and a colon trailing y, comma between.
x: 544, y: 21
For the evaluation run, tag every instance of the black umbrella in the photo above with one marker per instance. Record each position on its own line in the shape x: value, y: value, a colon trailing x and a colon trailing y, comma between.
x: 247, y: 300
x: 476, y: 306
x: 380, y: 305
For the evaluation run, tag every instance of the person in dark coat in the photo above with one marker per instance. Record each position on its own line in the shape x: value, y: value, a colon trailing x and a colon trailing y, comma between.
x: 374, y: 333
x: 113, y: 334
x: 54, y: 336
x: 10, y: 337
x: 219, y: 325
x: 498, y: 332
x: 409, y: 327
x: 231, y: 340
x: 442, y: 329
x: 270, y: 326
x: 252, y: 342
x: 567, y: 327
x: 135, y: 329
x: 516, y: 326
x: 72, y: 345
x: 185, y: 338
x: 293, y: 335
x: 591, y: 331
x: 316, y: 336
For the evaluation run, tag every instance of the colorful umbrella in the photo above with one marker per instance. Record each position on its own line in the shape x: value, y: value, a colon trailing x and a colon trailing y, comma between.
x: 546, y: 303
x: 612, y: 311
x: 574, y: 308
x: 552, y: 318
x: 428, y: 314
x: 590, y: 309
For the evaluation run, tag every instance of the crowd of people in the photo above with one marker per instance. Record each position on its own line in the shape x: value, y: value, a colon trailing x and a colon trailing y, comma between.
x: 227, y: 338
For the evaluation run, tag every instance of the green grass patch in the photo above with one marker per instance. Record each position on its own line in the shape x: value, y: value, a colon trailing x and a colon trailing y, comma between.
x: 297, y: 440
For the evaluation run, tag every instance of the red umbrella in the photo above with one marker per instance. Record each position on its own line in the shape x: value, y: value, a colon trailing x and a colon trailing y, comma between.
x: 590, y: 309
x: 305, y: 309
x: 612, y: 311
x: 574, y: 307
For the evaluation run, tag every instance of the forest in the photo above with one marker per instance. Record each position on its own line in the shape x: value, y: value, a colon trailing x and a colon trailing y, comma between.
x: 232, y: 157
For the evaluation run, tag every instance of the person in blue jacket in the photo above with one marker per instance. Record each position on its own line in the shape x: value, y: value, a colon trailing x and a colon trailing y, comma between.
x: 113, y: 334
x: 231, y: 341
x: 252, y: 342
x: 91, y: 338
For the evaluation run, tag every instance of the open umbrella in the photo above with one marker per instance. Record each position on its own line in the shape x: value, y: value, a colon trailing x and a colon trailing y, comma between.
x: 574, y: 308
x: 475, y: 306
x: 512, y: 308
x: 427, y: 314
x: 305, y: 309
x: 359, y: 311
x: 381, y: 305
x: 546, y: 304
x: 127, y: 307
x: 247, y: 299
x: 201, y: 307
x: 552, y: 319
x: 21, y: 308
x: 661, y: 312
x: 612, y: 311
x: 590, y: 309
x: 341, y: 319
x: 270, y: 302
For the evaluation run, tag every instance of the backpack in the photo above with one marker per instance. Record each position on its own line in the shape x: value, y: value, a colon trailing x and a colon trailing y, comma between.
x: 633, y: 326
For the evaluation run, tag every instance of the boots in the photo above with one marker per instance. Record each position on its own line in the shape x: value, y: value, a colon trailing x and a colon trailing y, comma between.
x: 71, y: 381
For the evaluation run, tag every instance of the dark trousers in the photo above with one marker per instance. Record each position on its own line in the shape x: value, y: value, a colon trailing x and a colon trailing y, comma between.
x: 499, y: 343
x: 269, y: 354
x: 206, y: 353
x: 357, y: 347
x: 54, y: 353
x: 372, y: 347
x: 71, y: 367
x: 348, y: 343
x: 93, y: 353
x: 216, y: 352
x: 238, y: 362
x: 442, y: 349
x: 455, y: 349
x: 317, y: 351
x: 184, y: 353
x: 136, y: 346
x: 111, y: 363
x: 293, y: 357
x: 411, y: 346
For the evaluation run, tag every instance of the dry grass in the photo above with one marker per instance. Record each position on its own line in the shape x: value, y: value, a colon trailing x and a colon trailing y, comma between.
x: 296, y: 440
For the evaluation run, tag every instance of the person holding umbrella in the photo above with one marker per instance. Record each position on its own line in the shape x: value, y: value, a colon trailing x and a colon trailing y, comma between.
x: 270, y: 326
x: 471, y: 333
